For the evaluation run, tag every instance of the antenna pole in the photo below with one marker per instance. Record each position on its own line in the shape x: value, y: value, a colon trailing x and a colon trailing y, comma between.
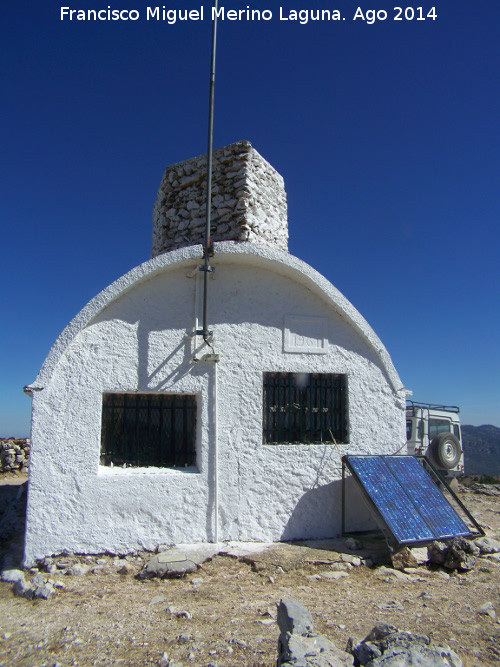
x: 208, y: 243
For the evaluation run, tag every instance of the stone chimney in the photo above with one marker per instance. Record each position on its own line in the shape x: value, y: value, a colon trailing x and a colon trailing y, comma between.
x: 248, y: 201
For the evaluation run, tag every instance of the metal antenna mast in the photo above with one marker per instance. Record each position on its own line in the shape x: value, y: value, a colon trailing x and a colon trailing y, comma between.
x: 208, y: 250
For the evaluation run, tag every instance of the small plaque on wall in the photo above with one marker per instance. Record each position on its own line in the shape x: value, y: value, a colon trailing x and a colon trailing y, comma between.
x: 303, y: 333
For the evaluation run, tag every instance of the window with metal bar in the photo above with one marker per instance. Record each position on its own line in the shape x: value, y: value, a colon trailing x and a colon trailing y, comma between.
x: 148, y: 430
x: 305, y: 408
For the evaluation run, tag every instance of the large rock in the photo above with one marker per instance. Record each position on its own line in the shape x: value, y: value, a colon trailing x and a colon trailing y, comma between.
x: 403, y: 558
x: 385, y: 646
x: 459, y: 554
x: 171, y: 563
x: 299, y: 645
x: 418, y: 656
x: 436, y: 552
x: 12, y: 575
x: 293, y: 617
x: 488, y: 546
x: 312, y: 652
x: 39, y: 588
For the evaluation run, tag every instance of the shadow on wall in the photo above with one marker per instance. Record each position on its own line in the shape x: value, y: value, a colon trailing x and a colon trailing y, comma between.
x: 318, y: 513
x: 161, y: 377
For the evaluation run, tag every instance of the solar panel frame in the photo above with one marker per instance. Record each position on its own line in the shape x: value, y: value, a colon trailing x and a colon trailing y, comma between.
x: 405, y: 499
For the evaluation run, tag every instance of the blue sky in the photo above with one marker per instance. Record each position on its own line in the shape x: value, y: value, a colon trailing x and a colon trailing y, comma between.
x: 386, y: 135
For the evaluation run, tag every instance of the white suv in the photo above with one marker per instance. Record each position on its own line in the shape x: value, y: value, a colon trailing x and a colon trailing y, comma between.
x: 433, y: 431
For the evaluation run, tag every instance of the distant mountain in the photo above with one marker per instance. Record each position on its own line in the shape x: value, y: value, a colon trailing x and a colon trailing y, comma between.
x: 481, y: 449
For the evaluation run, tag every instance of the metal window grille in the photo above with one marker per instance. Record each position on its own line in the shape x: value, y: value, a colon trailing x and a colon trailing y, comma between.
x: 148, y: 430
x: 304, y: 407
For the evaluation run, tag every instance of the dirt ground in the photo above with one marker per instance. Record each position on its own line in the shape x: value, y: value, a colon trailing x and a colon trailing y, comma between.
x: 225, y: 613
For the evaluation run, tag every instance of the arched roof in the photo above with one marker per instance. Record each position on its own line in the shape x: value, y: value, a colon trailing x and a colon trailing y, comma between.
x: 253, y: 254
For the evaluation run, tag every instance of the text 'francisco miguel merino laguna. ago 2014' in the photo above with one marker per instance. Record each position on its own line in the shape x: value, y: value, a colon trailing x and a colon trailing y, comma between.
x: 303, y: 16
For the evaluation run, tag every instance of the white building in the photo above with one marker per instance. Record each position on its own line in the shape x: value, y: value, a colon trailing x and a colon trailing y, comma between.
x: 141, y: 437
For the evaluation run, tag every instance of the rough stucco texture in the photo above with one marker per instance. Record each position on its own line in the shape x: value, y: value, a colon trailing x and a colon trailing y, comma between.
x: 140, y: 341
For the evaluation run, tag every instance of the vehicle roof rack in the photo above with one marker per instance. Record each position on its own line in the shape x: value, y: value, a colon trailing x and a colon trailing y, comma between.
x: 432, y: 406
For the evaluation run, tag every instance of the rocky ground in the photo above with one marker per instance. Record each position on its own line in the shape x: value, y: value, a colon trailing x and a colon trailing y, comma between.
x: 224, y: 614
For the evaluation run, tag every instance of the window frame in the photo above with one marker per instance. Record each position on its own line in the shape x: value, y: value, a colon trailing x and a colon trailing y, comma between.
x: 148, y: 430
x: 302, y: 408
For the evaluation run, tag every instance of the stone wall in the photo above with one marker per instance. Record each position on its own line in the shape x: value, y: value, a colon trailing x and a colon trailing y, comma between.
x: 248, y: 201
x: 14, y: 454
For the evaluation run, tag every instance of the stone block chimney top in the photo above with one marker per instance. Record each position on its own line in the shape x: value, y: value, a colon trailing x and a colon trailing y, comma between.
x: 248, y: 201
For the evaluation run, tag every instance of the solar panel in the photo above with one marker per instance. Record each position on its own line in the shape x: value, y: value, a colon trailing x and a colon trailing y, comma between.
x: 406, y: 498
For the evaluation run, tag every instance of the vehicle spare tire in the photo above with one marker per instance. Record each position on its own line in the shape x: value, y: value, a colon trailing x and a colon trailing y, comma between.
x: 445, y: 451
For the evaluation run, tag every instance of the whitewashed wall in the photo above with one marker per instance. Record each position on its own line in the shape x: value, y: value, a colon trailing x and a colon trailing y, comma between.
x: 133, y: 337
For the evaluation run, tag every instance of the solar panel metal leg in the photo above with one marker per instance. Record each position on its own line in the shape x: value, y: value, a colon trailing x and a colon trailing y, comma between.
x: 343, y: 498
